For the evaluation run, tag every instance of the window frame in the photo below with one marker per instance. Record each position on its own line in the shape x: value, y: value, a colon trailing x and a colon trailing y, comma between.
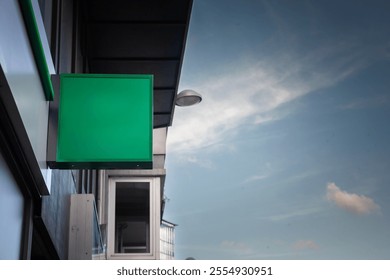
x: 154, y: 218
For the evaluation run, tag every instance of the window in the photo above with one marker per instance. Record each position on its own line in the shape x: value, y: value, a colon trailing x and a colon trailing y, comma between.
x: 11, y: 214
x: 132, y: 215
x: 133, y: 218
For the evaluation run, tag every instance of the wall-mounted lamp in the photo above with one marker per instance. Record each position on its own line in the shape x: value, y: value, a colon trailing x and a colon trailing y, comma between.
x: 188, y: 97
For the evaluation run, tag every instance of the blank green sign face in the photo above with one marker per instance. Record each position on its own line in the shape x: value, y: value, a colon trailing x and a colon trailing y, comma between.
x: 105, y: 118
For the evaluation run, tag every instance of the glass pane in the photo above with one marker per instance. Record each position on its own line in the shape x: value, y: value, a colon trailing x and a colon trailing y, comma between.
x: 11, y: 214
x: 97, y: 247
x: 132, y: 234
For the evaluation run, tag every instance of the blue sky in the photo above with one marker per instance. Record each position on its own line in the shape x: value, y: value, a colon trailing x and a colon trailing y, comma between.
x: 288, y: 155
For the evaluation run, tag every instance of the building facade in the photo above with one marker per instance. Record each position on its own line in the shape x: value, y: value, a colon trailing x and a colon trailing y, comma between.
x: 167, y: 240
x: 43, y: 206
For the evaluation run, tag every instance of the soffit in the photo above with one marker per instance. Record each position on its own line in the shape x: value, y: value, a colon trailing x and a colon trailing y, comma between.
x: 139, y: 37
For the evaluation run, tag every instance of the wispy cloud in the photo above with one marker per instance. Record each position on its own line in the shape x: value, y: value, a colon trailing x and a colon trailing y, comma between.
x: 205, y: 163
x: 372, y: 102
x: 305, y: 245
x: 292, y: 214
x: 254, y: 178
x: 354, y: 203
x: 239, y: 248
x: 253, y: 92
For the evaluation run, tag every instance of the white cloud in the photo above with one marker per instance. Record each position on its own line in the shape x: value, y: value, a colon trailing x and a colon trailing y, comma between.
x: 305, y: 245
x: 240, y: 248
x: 253, y: 93
x: 254, y: 178
x: 292, y: 214
x: 357, y: 204
x: 205, y: 163
x: 372, y: 102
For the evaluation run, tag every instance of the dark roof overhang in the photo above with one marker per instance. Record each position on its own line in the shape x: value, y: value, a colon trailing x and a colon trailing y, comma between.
x: 139, y: 37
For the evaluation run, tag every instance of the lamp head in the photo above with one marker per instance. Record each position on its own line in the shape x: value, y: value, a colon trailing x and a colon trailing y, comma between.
x: 188, y: 97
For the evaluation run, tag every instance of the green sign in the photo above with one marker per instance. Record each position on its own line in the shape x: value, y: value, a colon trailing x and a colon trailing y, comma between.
x: 105, y: 121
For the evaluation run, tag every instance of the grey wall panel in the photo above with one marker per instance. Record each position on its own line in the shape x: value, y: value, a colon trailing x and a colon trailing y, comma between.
x: 55, y: 210
x: 17, y: 61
